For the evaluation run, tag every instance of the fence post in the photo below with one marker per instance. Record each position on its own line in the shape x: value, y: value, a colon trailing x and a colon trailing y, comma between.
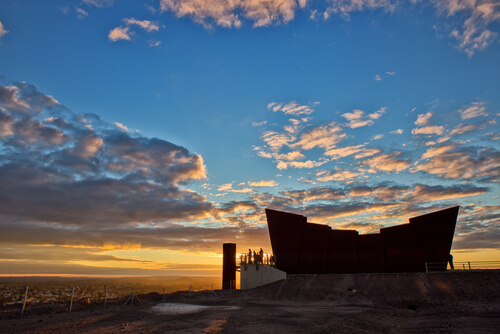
x: 463, y: 264
x: 469, y: 266
x: 24, y: 304
x: 71, y: 302
x: 105, y: 297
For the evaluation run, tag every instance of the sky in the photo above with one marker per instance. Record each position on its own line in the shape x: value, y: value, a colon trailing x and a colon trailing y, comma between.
x: 136, y: 137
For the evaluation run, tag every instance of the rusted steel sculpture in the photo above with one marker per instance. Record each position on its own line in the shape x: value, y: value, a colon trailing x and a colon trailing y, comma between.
x: 305, y: 248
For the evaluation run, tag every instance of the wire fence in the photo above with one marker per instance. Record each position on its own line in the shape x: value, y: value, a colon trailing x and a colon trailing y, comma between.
x: 31, y: 298
x: 473, y: 265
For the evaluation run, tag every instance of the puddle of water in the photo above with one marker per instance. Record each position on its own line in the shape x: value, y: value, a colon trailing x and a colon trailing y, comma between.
x: 178, y: 308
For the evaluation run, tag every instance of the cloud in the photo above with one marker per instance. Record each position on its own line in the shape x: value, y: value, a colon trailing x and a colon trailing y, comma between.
x: 342, y: 152
x: 454, y: 162
x: 292, y: 108
x: 436, y: 151
x: 342, y: 176
x: 470, y: 20
x: 463, y: 128
x: 423, y: 119
x: 315, y: 194
x: 124, y: 32
x: 259, y: 123
x: 173, y: 236
x: 225, y: 187
x: 99, y: 3
x: 397, y: 132
x: 367, y: 152
x: 379, y: 136
x: 76, y: 170
x: 357, y: 118
x: 24, y: 99
x: 379, y: 77
x: 228, y: 187
x: 290, y: 156
x: 263, y: 183
x: 474, y: 34
x: 81, y: 13
x: 380, y: 192
x: 120, y: 33
x: 339, y: 207
x: 423, y: 128
x: 386, y: 163
x: 219, y: 12
x: 229, y: 13
x: 313, y: 15
x: 477, y: 228
x: 149, y: 26
x: 242, y: 191
x: 121, y: 126
x: 345, y: 7
x: 264, y: 13
x: 276, y: 140
x: 324, y: 136
x: 380, y: 204
x: 153, y: 44
x: 475, y: 109
x: 300, y: 164
x: 439, y: 193
x: 428, y: 130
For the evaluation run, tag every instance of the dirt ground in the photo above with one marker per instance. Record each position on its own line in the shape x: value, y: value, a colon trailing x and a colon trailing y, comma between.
x: 447, y: 302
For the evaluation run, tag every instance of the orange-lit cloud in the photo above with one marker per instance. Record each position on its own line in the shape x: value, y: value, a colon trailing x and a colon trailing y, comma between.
x: 357, y: 118
x: 475, y: 109
x: 120, y: 33
x: 263, y: 183
x: 452, y: 161
x: 226, y: 13
x: 386, y: 163
x: 324, y: 136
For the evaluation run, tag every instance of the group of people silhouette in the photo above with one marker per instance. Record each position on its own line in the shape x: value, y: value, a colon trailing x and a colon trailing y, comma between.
x: 253, y: 257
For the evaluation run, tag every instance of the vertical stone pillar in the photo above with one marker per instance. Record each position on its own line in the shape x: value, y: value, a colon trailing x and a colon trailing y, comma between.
x: 228, y: 266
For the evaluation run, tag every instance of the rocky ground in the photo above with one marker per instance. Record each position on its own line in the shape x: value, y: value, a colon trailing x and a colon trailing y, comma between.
x: 447, y: 302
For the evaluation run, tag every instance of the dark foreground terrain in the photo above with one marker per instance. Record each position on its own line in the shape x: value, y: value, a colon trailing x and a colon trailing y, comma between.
x: 447, y: 302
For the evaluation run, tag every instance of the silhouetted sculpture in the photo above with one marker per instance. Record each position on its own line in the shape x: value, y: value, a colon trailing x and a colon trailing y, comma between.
x: 306, y: 248
x: 229, y: 266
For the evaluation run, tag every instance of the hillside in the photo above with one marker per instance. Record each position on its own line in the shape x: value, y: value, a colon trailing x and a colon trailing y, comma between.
x: 447, y: 302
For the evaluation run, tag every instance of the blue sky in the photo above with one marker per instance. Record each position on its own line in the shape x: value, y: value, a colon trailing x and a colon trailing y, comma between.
x: 138, y: 136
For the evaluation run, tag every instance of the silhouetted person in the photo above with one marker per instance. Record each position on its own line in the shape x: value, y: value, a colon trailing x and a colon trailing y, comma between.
x: 450, y: 260
x: 250, y: 256
x: 255, y: 258
x: 261, y: 256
